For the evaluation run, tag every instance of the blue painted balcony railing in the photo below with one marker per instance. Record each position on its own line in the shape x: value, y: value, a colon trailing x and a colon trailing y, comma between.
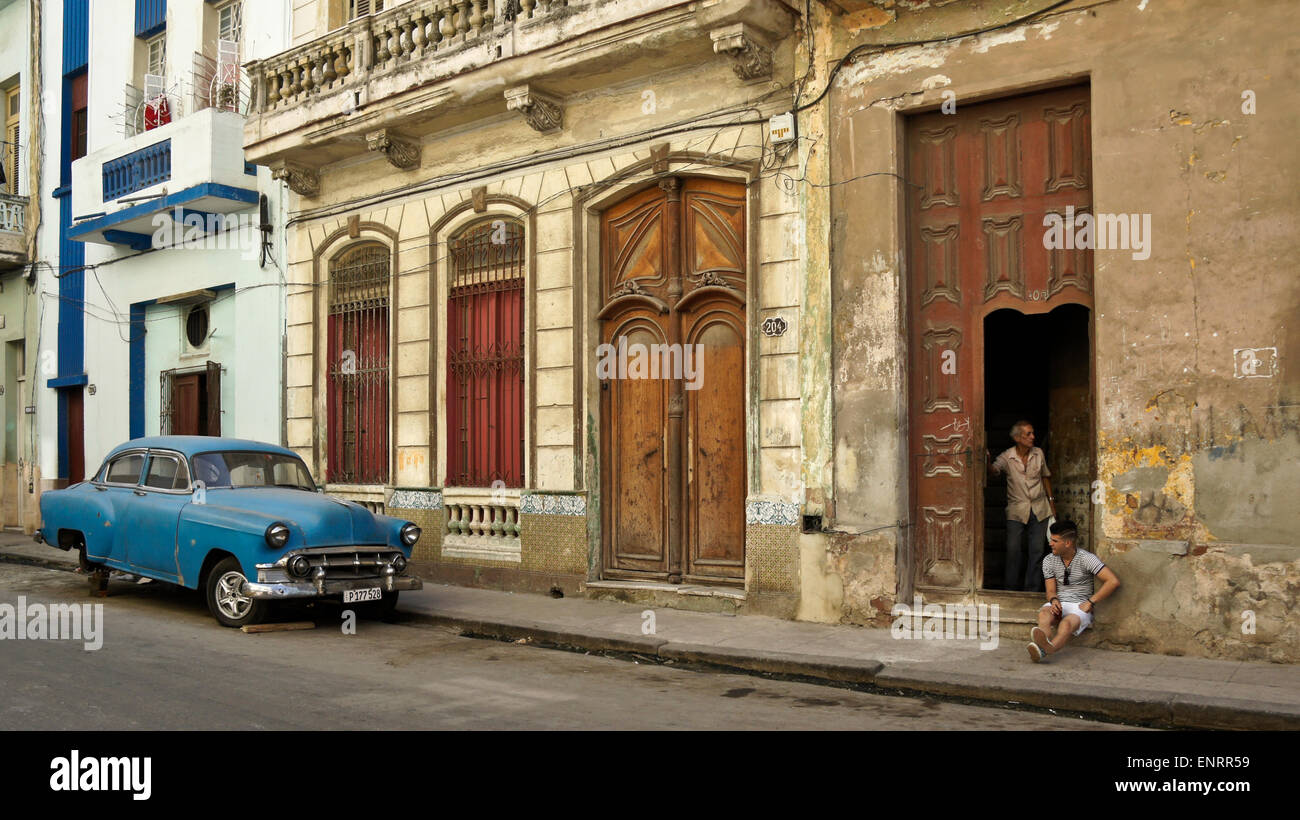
x: 137, y: 170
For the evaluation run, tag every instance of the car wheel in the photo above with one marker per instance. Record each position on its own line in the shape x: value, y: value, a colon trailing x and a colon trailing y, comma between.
x: 226, y: 603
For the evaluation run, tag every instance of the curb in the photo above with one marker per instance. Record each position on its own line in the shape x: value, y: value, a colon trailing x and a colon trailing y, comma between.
x: 33, y: 561
x: 841, y: 670
x: 1125, y: 704
x: 1184, y: 711
x: 506, y: 630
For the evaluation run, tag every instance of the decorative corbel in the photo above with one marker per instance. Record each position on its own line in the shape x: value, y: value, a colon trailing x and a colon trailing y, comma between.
x: 659, y: 158
x: 542, y: 112
x: 302, y: 180
x: 752, y: 58
x: 401, y: 154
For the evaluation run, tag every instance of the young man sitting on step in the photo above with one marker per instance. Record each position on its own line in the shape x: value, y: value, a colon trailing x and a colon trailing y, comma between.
x: 1069, y: 572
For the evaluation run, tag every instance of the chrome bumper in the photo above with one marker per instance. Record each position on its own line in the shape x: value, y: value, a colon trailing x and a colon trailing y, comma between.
x: 284, y: 590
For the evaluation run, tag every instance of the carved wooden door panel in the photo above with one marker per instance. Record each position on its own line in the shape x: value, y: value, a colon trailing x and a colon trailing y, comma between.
x: 673, y: 447
x: 981, y: 182
x: 713, y: 327
x: 634, y: 412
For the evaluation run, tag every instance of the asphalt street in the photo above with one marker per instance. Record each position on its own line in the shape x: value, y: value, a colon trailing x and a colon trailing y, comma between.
x: 166, y: 664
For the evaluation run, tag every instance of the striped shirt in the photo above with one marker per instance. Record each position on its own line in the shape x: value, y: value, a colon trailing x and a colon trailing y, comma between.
x: 1084, y: 566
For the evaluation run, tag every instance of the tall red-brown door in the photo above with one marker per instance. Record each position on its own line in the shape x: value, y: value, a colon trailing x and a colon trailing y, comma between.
x: 673, y: 454
x: 981, y: 182
x: 76, y: 436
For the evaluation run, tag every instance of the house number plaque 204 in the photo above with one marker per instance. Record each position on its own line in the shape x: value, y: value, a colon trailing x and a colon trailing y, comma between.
x: 775, y: 326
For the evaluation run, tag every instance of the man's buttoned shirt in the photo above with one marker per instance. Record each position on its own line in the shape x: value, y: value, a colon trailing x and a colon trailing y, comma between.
x: 1025, y: 492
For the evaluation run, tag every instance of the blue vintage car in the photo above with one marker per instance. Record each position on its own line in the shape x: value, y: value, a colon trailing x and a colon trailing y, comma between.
x: 240, y: 520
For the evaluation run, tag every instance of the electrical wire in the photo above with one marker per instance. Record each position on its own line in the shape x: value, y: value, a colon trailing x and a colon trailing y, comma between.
x: 768, y: 170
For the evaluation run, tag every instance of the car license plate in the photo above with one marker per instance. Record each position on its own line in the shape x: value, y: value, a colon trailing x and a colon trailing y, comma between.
x: 353, y: 596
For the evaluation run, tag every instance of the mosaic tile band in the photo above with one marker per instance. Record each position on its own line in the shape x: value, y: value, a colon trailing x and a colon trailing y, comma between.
x: 416, y: 500
x: 547, y: 504
x: 782, y: 513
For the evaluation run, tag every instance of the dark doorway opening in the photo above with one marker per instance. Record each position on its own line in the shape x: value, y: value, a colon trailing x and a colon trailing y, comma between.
x: 1038, y: 368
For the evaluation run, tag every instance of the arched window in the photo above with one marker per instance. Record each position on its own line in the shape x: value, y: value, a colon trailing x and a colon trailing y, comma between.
x: 359, y: 293
x: 485, y: 355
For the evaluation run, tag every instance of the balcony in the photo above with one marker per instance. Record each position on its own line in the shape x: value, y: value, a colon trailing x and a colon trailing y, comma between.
x: 195, y: 163
x: 385, y: 81
x: 13, y: 231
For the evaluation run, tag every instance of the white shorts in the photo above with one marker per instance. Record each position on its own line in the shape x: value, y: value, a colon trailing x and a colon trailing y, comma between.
x: 1071, y: 608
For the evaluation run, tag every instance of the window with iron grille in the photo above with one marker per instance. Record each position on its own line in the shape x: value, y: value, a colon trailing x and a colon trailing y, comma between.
x: 359, y: 292
x: 230, y: 21
x: 156, y: 55
x: 485, y: 355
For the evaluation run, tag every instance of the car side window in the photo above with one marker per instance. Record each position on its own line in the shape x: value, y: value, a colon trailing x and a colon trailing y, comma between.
x: 166, y: 473
x: 125, y: 470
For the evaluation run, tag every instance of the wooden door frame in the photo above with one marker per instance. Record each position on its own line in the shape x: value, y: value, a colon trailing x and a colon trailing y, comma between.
x: 1042, y: 308
x: 906, y: 580
x: 589, y: 203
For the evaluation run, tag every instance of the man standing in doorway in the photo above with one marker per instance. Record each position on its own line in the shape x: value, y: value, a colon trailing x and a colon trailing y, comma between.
x: 1029, y: 505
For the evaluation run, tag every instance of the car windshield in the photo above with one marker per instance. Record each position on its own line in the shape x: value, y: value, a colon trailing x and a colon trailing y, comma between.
x: 245, y: 469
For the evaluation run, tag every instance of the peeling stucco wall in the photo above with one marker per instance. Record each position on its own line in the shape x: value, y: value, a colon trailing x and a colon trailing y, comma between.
x: 1197, y: 405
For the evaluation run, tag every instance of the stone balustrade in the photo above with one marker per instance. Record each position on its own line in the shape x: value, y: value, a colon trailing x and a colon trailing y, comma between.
x: 377, y: 43
x: 482, y: 523
x: 13, y: 213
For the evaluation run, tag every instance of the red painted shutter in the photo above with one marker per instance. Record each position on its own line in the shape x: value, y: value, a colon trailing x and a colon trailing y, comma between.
x: 485, y: 356
x: 357, y: 390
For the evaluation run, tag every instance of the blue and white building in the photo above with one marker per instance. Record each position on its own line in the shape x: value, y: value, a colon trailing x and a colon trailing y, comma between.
x: 163, y: 299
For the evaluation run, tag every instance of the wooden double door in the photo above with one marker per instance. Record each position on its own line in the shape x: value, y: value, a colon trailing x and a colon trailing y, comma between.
x: 672, y: 383
x: 982, y: 184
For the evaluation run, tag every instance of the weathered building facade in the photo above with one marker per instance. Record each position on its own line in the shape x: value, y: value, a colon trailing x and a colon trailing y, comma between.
x: 1152, y: 357
x: 496, y: 204
x: 491, y: 197
x: 20, y: 217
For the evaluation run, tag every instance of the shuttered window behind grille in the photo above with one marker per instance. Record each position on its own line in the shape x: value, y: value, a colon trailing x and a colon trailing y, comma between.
x: 485, y: 356
x: 359, y: 292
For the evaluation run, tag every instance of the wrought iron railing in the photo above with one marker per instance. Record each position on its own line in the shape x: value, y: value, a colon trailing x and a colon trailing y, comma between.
x: 358, y: 402
x: 485, y: 356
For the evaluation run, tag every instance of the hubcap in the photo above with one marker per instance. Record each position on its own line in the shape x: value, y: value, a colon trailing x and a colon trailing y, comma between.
x: 232, y: 603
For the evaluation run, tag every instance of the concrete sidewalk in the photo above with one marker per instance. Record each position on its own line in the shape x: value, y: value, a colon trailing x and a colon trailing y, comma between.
x: 1128, y: 686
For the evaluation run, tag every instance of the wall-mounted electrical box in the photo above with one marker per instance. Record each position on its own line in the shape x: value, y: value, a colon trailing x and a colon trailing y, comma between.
x: 781, y: 128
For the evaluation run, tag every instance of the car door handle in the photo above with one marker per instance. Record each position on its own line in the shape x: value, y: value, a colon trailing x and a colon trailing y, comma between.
x: 97, y: 487
x: 138, y: 492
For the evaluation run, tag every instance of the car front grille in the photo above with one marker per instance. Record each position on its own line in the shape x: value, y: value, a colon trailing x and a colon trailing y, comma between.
x: 349, y: 565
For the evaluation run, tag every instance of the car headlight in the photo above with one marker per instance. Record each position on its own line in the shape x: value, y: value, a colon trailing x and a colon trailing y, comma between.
x: 277, y: 535
x: 410, y: 534
x: 399, y: 565
x: 299, y: 566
